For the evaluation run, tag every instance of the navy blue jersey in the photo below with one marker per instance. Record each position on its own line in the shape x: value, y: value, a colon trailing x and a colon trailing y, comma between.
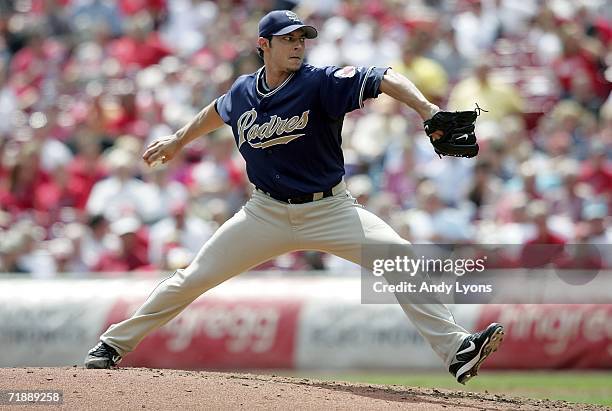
x: 290, y: 136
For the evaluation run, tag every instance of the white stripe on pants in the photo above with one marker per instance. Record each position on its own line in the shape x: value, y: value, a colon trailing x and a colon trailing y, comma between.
x: 263, y: 229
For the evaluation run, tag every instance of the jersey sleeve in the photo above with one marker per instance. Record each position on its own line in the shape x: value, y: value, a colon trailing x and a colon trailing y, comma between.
x: 344, y: 89
x: 223, y: 105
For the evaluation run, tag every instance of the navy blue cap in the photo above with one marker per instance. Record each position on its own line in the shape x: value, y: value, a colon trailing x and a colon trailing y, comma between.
x: 279, y: 22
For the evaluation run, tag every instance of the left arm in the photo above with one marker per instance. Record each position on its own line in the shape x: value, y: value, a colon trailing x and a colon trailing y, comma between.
x: 400, y: 88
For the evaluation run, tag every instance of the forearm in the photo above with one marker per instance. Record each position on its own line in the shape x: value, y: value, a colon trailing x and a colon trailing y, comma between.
x: 206, y: 121
x: 402, y: 89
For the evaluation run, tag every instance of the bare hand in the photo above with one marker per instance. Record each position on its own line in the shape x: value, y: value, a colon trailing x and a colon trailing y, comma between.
x: 436, y: 135
x: 161, y: 150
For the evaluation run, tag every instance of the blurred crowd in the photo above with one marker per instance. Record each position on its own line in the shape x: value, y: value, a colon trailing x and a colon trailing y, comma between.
x: 86, y: 84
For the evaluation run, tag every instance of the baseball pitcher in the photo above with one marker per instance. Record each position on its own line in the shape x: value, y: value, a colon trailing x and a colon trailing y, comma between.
x: 287, y: 122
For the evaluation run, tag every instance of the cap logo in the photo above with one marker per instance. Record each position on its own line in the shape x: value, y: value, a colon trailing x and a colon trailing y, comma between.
x: 292, y: 16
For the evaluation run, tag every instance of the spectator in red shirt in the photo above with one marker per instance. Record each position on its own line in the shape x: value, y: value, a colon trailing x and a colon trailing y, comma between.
x: 597, y: 170
x: 538, y: 212
x: 544, y: 247
x: 85, y: 170
x: 54, y: 194
x: 581, y: 54
x: 28, y: 65
x: 132, y: 252
x: 140, y: 47
x: 25, y: 177
x: 128, y: 119
x: 528, y: 175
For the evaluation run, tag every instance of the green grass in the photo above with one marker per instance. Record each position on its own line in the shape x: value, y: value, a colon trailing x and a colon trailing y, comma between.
x: 579, y: 387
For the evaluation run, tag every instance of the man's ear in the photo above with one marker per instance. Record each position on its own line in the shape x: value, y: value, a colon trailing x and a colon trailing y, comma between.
x: 263, y: 43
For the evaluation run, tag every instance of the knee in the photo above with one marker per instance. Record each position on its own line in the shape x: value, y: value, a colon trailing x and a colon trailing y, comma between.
x: 194, y: 279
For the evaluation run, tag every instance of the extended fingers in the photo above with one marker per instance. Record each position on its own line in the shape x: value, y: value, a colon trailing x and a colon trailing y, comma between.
x: 153, y: 153
x: 148, y: 154
x: 155, y: 158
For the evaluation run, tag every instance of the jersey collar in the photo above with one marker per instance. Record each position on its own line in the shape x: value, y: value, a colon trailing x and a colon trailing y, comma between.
x: 261, y: 92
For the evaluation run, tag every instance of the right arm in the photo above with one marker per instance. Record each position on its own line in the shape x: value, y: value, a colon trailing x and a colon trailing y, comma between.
x: 166, y: 148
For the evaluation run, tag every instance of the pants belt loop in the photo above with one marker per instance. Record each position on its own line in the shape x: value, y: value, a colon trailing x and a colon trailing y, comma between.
x: 317, y: 196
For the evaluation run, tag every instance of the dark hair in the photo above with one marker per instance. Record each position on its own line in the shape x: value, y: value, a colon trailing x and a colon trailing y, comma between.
x: 96, y: 219
x: 260, y: 51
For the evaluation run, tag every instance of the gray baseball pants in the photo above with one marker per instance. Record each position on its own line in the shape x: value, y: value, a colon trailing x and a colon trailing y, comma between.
x: 263, y: 229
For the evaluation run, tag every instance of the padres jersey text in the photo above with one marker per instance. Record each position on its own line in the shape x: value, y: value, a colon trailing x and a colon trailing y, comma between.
x: 291, y: 137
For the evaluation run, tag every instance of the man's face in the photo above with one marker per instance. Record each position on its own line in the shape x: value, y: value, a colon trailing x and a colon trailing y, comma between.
x: 285, y: 52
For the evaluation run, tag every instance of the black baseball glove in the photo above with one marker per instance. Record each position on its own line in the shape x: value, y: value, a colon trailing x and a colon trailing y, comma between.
x: 459, y: 139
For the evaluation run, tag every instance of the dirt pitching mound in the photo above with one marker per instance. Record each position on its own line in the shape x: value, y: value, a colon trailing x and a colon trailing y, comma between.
x: 161, y: 389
